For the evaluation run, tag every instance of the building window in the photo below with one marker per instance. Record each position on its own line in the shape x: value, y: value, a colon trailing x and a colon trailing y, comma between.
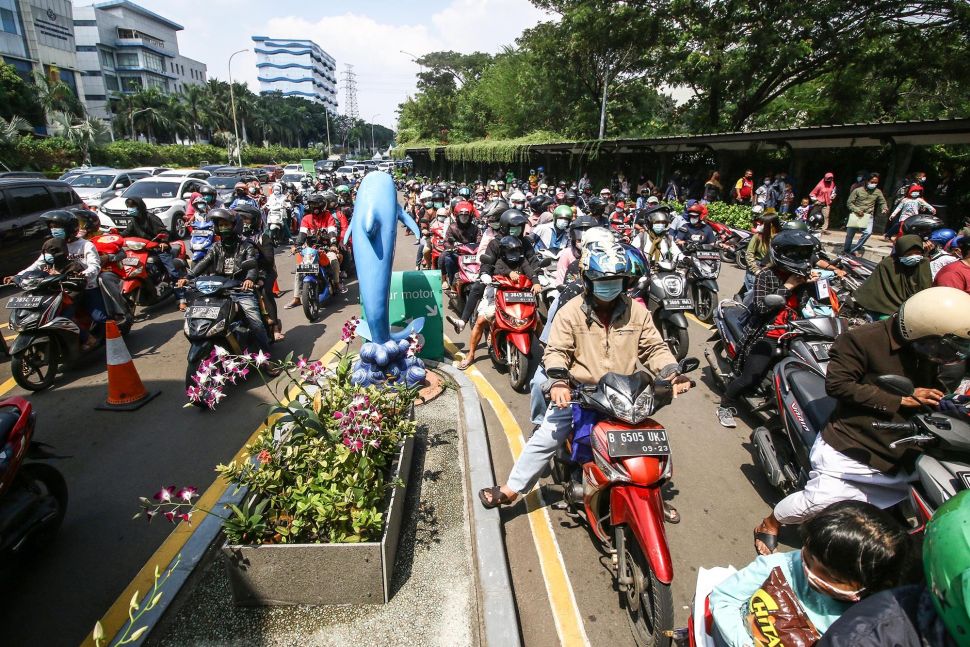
x: 23, y: 68
x: 86, y: 48
x: 154, y: 62
x: 127, y: 60
x: 111, y: 82
x: 9, y: 21
x: 95, y: 97
x: 85, y: 23
x: 107, y: 59
x: 131, y: 83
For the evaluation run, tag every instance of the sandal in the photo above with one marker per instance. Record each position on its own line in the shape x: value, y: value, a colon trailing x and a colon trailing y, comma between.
x: 671, y: 515
x: 769, y: 540
x: 498, y: 497
x: 465, y: 363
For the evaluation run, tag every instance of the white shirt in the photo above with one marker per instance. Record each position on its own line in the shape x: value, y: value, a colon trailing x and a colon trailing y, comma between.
x: 669, y: 250
x: 83, y: 251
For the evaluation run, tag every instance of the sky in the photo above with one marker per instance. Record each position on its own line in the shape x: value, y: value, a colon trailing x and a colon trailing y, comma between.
x: 369, y: 34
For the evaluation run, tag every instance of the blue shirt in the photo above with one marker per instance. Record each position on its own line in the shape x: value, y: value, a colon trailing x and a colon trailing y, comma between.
x: 701, y: 234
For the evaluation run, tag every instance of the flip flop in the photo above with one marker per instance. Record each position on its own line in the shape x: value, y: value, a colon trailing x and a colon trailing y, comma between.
x: 769, y: 540
x: 498, y: 497
x: 465, y: 363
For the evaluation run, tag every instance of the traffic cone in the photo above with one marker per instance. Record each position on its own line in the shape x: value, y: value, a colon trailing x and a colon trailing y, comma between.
x: 276, y: 289
x: 125, y: 390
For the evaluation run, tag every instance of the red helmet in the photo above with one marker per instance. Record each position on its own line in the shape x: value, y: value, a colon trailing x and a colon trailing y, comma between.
x: 915, y: 188
x: 698, y: 209
x: 464, y: 206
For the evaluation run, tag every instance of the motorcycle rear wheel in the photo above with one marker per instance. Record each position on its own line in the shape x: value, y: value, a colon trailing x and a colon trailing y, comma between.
x: 51, y: 482
x: 311, y: 303
x: 704, y: 304
x: 518, y: 363
x: 497, y: 360
x: 31, y: 362
x: 648, y: 602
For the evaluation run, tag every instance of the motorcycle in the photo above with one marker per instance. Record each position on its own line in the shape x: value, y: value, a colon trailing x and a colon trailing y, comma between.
x: 611, y: 471
x: 703, y: 264
x: 276, y: 222
x: 665, y: 294
x: 111, y: 283
x: 146, y: 282
x: 731, y: 242
x: 46, y: 338
x: 33, y: 495
x: 547, y: 262
x: 203, y: 235
x: 510, y: 337
x: 315, y: 284
x: 468, y: 268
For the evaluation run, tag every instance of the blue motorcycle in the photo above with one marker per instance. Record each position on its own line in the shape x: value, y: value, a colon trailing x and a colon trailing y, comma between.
x: 316, y: 288
x: 203, y: 235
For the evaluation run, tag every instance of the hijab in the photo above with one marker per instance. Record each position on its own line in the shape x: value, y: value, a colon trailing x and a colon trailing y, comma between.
x: 892, y: 282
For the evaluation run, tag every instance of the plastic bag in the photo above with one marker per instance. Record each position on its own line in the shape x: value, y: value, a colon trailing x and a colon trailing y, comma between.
x: 776, y: 617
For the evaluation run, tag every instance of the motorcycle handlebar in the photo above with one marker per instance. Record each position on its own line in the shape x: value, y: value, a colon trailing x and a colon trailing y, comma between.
x: 892, y: 426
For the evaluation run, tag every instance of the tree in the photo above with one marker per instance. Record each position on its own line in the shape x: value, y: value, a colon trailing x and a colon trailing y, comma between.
x: 56, y: 96
x: 10, y: 130
x: 83, y: 132
x: 18, y: 98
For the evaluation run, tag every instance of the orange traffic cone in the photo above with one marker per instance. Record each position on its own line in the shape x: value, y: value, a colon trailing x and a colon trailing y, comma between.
x: 276, y: 289
x: 125, y: 390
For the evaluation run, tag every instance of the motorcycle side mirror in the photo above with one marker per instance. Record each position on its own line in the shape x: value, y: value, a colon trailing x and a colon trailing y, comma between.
x: 688, y: 364
x: 775, y: 301
x: 643, y: 282
x: 896, y: 384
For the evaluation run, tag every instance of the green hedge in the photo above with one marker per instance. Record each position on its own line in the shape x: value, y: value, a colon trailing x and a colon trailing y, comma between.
x: 732, y: 215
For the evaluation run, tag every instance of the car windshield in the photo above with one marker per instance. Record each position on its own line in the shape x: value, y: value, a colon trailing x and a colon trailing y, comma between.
x: 222, y: 182
x: 292, y: 177
x: 152, y: 190
x: 93, y: 181
x: 345, y: 169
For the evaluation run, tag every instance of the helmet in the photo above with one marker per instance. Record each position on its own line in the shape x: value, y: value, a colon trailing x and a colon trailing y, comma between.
x: 511, y: 250
x: 62, y: 219
x: 494, y: 209
x: 696, y: 209
x: 501, y: 185
x: 934, y: 320
x: 793, y: 251
x: 464, y: 208
x: 543, y: 187
x: 570, y: 198
x: 342, y: 189
x: 579, y: 227
x: 329, y: 196
x: 538, y: 204
x: 602, y: 259
x: 757, y: 210
x: 517, y: 199
x: 915, y: 188
x: 563, y: 211
x: 438, y: 197
x: 658, y: 215
x: 941, y: 237
x: 465, y: 192
x: 226, y: 215
x: 512, y: 218
x: 442, y: 212
x: 922, y: 226
x: 87, y: 220
x: 315, y: 199
x: 946, y: 563
x: 636, y: 262
x: 241, y: 186
x: 248, y: 211
x: 207, y: 191
x: 596, y: 206
x: 795, y: 225
x: 605, y: 193
x: 425, y: 195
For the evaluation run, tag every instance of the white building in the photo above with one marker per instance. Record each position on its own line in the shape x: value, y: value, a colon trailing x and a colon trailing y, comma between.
x: 124, y: 48
x: 297, y: 68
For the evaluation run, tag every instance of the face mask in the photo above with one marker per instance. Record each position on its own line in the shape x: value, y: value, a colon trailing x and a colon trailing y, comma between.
x: 828, y: 180
x: 428, y: 205
x: 858, y: 178
x: 515, y: 231
x: 825, y: 588
x: 759, y: 229
x: 914, y: 194
x: 209, y: 199
x: 608, y: 289
x: 911, y: 261
x: 870, y: 186
x: 227, y: 232
x: 495, y: 225
x: 131, y: 211
x: 58, y: 232
x: 439, y: 205
x: 201, y: 208
x: 49, y: 259
x: 561, y: 224
x: 441, y: 218
x: 695, y: 221
x: 659, y: 228
x: 767, y: 182
x: 248, y: 228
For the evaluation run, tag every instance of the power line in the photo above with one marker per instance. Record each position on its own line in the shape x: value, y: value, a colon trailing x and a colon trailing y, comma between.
x: 350, y: 92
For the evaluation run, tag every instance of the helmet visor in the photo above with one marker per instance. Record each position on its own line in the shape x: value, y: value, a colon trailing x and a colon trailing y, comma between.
x: 943, y: 350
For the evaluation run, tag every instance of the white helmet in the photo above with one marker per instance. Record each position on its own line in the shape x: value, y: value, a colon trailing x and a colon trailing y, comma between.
x: 937, y: 322
x: 517, y: 196
x: 443, y: 212
x: 425, y: 195
x: 597, y: 234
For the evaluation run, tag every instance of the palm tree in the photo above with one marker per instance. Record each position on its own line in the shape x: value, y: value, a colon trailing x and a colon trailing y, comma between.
x: 197, y: 100
x: 56, y: 96
x: 10, y: 130
x: 151, y: 112
x: 83, y: 132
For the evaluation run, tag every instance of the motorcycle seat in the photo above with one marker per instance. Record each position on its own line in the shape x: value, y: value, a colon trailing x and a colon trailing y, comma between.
x: 9, y: 416
x: 733, y: 316
x: 809, y: 389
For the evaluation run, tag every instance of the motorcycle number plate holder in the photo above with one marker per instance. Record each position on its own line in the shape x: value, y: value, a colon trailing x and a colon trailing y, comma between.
x: 204, y: 312
x: 637, y: 442
x: 131, y: 261
x: 678, y: 304
x: 520, y: 297
x: 25, y: 302
x: 707, y: 256
x: 469, y: 258
x: 121, y: 222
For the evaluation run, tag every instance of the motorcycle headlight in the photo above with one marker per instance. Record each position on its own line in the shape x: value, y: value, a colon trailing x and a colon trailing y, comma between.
x: 673, y: 286
x: 612, y: 471
x: 621, y: 406
x: 217, y: 328
x: 643, y: 406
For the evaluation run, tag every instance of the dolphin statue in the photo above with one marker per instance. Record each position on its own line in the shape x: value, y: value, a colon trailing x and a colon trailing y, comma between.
x: 374, y: 230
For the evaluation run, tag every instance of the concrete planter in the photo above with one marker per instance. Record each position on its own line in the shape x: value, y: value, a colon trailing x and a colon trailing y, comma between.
x: 321, y: 574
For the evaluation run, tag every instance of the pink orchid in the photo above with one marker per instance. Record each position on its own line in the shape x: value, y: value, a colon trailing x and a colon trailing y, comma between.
x: 165, y: 494
x: 170, y: 515
x: 187, y: 493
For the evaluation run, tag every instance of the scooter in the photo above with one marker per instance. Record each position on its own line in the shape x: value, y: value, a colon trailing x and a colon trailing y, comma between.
x: 612, y: 470
x: 203, y: 235
x: 146, y: 282
x: 276, y: 223
x: 547, y: 262
x: 468, y: 268
x: 316, y: 288
x: 703, y: 267
x: 33, y: 495
x: 510, y: 338
x: 665, y: 294
x: 112, y: 284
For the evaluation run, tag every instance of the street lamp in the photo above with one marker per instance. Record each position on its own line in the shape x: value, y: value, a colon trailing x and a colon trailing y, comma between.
x: 372, y: 145
x: 132, y: 117
x: 232, y: 100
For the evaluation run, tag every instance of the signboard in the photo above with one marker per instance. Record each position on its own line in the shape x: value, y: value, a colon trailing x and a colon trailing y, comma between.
x: 418, y: 294
x: 308, y: 167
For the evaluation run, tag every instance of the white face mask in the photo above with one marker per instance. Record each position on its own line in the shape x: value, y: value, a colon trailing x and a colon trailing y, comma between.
x: 659, y: 228
x: 915, y: 194
x: 694, y: 221
x: 871, y: 186
x: 759, y: 229
x: 561, y: 224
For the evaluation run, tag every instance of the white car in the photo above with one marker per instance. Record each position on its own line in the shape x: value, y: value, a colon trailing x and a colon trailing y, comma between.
x: 197, y: 173
x: 96, y: 187
x: 292, y: 168
x: 166, y: 197
x: 293, y: 179
x: 387, y: 167
x: 347, y: 171
x: 152, y: 170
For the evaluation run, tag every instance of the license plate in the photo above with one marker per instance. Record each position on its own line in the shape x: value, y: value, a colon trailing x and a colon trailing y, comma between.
x: 204, y: 312
x: 308, y: 267
x: 707, y: 256
x: 25, y: 302
x: 120, y: 222
x: 520, y: 297
x: 637, y: 442
x: 469, y: 258
x: 678, y: 304
x: 130, y: 261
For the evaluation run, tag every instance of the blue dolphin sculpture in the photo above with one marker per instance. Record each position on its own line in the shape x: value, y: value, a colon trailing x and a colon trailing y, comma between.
x: 374, y: 229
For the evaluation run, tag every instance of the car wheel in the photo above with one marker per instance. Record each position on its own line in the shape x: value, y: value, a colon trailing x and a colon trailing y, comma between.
x: 179, y: 230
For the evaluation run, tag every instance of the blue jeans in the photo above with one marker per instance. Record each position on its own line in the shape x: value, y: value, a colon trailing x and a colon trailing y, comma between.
x: 556, y: 426
x: 249, y: 305
x: 448, y: 263
x: 420, y: 256
x: 94, y: 303
x: 168, y: 261
x: 537, y: 399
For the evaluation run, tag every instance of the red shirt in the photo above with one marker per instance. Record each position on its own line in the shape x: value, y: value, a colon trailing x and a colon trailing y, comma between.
x: 311, y: 223
x: 955, y: 275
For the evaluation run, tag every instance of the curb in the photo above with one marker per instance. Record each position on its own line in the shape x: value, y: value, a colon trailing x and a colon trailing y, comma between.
x: 498, y: 613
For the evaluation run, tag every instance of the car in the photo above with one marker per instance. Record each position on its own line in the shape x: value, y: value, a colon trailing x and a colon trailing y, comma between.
x: 327, y: 166
x: 261, y: 174
x: 80, y: 170
x: 212, y: 168
x: 360, y: 170
x: 97, y: 186
x: 224, y: 186
x: 164, y: 196
x: 293, y: 168
x: 22, y: 202
x: 344, y: 171
x: 387, y: 167
x: 294, y: 179
x: 197, y: 173
x: 275, y: 172
x: 30, y: 174
x: 152, y: 170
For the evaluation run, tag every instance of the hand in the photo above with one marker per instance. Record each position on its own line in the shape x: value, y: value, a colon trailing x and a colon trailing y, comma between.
x: 536, y: 288
x: 681, y: 384
x: 7, y: 280
x: 840, y: 273
x: 794, y: 281
x: 514, y: 276
x: 247, y: 285
x: 921, y: 395
x: 181, y: 283
x: 561, y: 395
x: 164, y: 247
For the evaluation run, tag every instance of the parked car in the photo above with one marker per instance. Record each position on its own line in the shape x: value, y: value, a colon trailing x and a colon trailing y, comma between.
x: 197, y: 173
x: 293, y: 179
x: 22, y: 202
x: 30, y: 174
x: 212, y: 168
x: 261, y: 174
x: 166, y: 197
x: 98, y: 186
x: 224, y: 186
x: 152, y: 170
x: 80, y: 170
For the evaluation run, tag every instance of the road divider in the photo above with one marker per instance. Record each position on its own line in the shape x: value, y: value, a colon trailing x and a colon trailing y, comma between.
x: 562, y: 600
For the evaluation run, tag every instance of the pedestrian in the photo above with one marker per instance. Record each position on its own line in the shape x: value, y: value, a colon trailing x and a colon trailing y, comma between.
x: 584, y: 183
x: 672, y: 193
x: 801, y: 211
x: 912, y: 204
x: 824, y: 194
x: 761, y: 194
x: 712, y: 188
x: 788, y: 198
x: 744, y: 188
x: 863, y: 203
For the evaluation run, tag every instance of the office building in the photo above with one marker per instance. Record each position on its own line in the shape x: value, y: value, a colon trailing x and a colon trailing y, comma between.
x: 124, y: 48
x: 297, y: 68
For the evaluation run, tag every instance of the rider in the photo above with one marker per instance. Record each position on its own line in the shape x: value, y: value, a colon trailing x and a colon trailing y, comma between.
x: 240, y: 195
x: 150, y: 227
x: 597, y: 209
x: 758, y: 252
x: 554, y: 235
x: 696, y: 230
x: 572, y: 253
x: 253, y: 232
x: 211, y: 197
x: 896, y: 278
x: 603, y: 332
x: 436, y: 231
x: 849, y: 459
x: 789, y: 270
x: 463, y: 231
x: 940, y: 256
x: 316, y: 221
x: 656, y: 242
x: 227, y: 253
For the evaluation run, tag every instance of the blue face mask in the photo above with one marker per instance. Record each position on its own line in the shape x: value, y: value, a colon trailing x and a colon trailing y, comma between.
x: 132, y: 211
x: 608, y: 289
x: 58, y: 232
x: 49, y: 259
x: 911, y: 261
x: 659, y: 229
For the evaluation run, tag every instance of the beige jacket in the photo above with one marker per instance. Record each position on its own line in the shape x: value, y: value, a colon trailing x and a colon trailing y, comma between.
x: 581, y: 344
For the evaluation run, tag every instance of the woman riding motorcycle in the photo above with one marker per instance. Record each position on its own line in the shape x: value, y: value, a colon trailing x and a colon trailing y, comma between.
x: 656, y: 241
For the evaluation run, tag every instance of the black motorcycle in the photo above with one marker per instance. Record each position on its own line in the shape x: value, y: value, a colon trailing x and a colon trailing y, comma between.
x: 665, y: 294
x: 703, y: 264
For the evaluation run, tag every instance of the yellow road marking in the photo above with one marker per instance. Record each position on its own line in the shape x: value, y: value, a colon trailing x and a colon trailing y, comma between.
x: 10, y: 338
x: 690, y: 315
x: 7, y: 385
x: 565, y: 611
x: 117, y: 614
x: 5, y: 325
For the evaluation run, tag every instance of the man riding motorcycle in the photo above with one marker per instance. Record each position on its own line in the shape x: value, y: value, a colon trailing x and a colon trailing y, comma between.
x: 572, y: 253
x: 463, y: 231
x: 604, y: 331
x: 316, y: 221
x: 656, y: 241
x: 696, y: 230
x: 554, y: 235
x: 850, y: 459
x: 241, y: 195
x: 252, y: 231
x: 150, y: 227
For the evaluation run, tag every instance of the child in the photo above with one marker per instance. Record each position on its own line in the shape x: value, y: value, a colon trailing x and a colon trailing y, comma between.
x: 801, y: 212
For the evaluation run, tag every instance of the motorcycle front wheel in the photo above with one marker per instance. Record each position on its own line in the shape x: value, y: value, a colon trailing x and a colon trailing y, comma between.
x: 648, y: 602
x: 703, y: 304
x: 48, y: 482
x: 676, y: 339
x: 35, y: 367
x: 311, y: 301
x: 518, y: 363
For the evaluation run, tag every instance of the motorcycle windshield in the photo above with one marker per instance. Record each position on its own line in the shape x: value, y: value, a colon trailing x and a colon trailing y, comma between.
x: 213, y: 284
x: 824, y: 327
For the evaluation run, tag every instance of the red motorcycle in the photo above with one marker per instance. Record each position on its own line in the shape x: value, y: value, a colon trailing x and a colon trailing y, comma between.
x: 612, y: 470
x: 437, y: 246
x: 468, y: 268
x: 510, y: 339
x: 33, y: 496
x: 146, y: 281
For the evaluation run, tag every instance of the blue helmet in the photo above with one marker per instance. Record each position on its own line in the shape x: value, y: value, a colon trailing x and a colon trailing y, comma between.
x: 941, y: 237
x: 636, y: 262
x: 602, y: 259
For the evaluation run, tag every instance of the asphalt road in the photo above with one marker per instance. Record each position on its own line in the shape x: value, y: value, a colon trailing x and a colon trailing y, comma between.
x: 110, y: 459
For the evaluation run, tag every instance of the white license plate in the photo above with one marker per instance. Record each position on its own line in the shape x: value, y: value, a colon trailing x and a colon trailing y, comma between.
x: 204, y: 312
x: 25, y: 302
x: 637, y: 442
x: 678, y: 304
x: 520, y: 297
x: 469, y: 258
x: 129, y: 261
x: 707, y: 256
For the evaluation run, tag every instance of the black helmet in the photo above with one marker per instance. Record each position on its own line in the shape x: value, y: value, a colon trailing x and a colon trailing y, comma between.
x: 207, y: 190
x: 251, y: 212
x: 658, y: 214
x: 579, y: 226
x: 315, y: 199
x: 794, y: 251
x: 511, y: 250
x: 596, y: 206
x: 223, y: 214
x: 537, y: 204
x: 329, y: 197
x: 512, y: 218
x: 922, y: 226
x: 465, y: 192
x: 438, y: 196
x: 494, y: 209
x: 794, y: 225
x: 570, y: 198
x: 62, y: 219
x: 87, y: 219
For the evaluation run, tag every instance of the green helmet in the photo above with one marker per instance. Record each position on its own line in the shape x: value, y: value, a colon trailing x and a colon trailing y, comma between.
x: 342, y: 188
x: 798, y: 225
x: 946, y: 563
x: 563, y: 211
